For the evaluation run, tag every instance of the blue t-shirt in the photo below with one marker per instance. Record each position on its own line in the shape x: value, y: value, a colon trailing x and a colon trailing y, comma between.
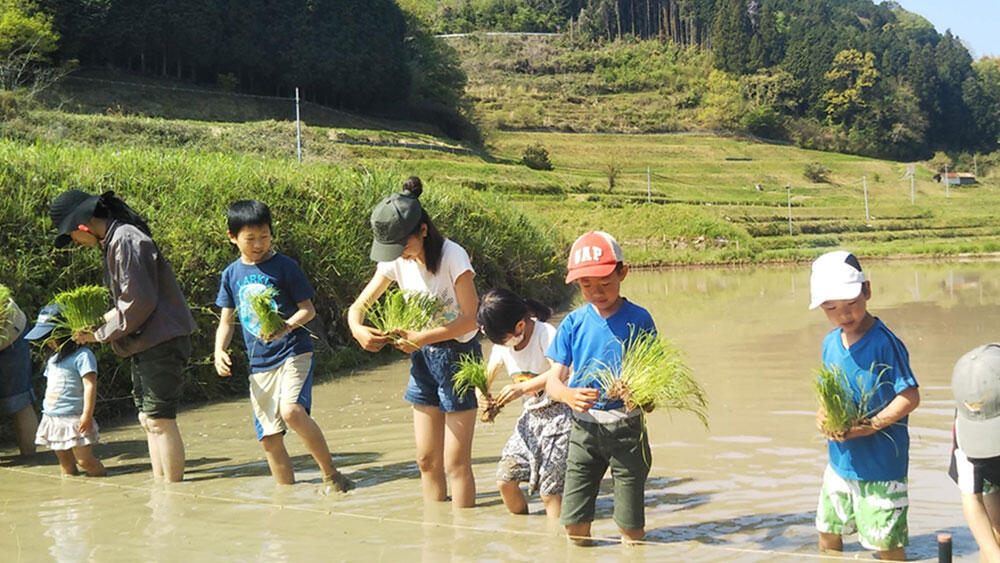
x: 878, y: 363
x: 586, y: 341
x: 240, y: 281
x: 64, y: 382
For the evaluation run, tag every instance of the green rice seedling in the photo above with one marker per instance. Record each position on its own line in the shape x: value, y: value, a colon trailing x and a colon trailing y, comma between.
x: 6, y: 314
x: 834, y: 393
x: 405, y: 310
x: 653, y: 373
x: 264, y: 308
x: 471, y: 375
x: 83, y: 308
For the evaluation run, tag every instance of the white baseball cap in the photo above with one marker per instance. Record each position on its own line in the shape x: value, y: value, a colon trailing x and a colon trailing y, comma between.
x: 835, y: 275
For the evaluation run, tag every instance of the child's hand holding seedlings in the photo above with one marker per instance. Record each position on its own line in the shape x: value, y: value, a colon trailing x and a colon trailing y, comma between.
x: 510, y: 392
x: 407, y: 341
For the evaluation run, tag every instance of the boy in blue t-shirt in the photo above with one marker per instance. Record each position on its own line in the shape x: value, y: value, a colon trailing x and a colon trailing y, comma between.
x: 281, y: 363
x: 864, y: 486
x: 603, y: 433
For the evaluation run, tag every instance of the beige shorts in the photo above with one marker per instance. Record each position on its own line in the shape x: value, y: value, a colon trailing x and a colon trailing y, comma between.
x: 288, y: 384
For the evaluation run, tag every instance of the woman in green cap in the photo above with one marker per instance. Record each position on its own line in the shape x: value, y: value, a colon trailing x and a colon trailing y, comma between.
x: 411, y: 252
x: 150, y: 323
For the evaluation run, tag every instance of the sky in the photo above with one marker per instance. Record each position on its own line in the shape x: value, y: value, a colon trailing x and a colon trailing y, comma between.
x: 973, y: 21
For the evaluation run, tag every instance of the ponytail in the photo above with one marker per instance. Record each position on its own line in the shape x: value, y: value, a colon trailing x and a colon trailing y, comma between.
x: 434, y: 241
x: 111, y: 207
x: 501, y: 309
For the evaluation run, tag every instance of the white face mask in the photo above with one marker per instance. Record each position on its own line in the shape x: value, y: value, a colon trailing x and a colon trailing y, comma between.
x: 517, y: 339
x: 513, y: 340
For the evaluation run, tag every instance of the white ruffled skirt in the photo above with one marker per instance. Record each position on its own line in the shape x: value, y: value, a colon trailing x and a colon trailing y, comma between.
x: 62, y: 433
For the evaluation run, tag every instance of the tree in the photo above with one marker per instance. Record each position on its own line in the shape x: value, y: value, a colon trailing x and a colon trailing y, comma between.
x: 731, y: 34
x: 851, y: 76
x: 27, y: 42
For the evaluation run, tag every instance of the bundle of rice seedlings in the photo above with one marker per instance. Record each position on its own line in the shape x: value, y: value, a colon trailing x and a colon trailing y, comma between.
x: 6, y: 315
x: 472, y: 374
x: 266, y: 310
x: 83, y: 308
x: 653, y: 373
x: 405, y: 310
x: 834, y: 393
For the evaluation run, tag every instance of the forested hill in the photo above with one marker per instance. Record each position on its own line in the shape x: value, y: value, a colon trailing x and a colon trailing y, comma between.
x: 359, y: 55
x: 877, y: 78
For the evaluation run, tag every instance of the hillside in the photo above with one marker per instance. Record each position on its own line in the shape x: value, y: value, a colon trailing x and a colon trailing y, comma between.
x: 704, y: 202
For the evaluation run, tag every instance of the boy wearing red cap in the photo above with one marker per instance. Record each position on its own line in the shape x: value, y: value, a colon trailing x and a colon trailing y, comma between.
x: 603, y: 432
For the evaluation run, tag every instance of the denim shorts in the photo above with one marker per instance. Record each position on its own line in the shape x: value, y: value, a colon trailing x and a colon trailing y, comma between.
x: 15, y: 376
x: 431, y: 371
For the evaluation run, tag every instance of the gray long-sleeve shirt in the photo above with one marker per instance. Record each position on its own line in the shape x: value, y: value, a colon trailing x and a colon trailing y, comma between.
x: 149, y: 308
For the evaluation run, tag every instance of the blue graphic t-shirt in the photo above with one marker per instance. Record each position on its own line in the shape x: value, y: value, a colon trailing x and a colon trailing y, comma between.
x: 878, y: 364
x: 240, y: 281
x: 586, y: 341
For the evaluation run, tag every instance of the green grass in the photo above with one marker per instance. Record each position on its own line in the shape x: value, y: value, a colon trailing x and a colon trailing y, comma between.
x: 320, y: 212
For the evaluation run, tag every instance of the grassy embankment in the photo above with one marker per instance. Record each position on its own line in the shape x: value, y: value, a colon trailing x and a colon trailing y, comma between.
x: 321, y: 215
x: 706, y: 206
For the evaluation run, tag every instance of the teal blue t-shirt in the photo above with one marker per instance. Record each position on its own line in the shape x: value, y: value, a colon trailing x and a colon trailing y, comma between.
x: 879, y: 364
x: 587, y: 341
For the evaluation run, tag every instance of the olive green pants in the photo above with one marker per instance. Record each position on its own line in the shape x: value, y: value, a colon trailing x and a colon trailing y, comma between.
x: 593, y: 447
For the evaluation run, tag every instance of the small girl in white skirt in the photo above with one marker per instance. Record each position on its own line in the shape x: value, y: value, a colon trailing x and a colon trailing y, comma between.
x: 68, y: 426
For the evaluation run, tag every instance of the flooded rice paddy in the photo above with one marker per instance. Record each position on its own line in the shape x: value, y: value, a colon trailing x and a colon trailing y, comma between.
x: 744, y: 489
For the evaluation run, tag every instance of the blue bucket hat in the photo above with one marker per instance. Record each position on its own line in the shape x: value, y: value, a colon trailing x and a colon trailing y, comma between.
x: 48, y: 319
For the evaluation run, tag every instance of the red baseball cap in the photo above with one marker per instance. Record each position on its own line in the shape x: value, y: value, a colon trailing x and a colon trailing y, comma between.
x: 594, y: 255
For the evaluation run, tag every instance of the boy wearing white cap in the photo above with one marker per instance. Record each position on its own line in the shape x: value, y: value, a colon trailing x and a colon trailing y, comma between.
x: 975, y: 455
x: 864, y: 485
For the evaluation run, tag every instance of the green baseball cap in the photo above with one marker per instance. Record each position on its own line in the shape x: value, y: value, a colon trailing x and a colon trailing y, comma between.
x: 393, y: 221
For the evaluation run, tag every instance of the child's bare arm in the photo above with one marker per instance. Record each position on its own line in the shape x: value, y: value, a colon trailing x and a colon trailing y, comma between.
x: 901, y: 405
x: 516, y: 390
x: 579, y: 399
x: 89, y: 401
x: 978, y: 519
x: 305, y: 312
x: 223, y: 336
x: 370, y: 339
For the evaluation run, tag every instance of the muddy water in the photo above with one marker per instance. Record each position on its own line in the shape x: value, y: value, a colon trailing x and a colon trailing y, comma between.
x: 743, y: 490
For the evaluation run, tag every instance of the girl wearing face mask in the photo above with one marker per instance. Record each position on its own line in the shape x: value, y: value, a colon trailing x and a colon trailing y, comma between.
x: 536, y: 452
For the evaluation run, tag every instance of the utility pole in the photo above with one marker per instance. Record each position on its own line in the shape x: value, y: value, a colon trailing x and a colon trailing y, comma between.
x: 864, y: 181
x: 789, y: 190
x: 912, y: 195
x: 649, y: 187
x: 947, y: 186
x: 298, y: 128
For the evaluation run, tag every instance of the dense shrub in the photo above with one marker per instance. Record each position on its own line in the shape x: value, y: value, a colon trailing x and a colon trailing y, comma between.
x: 536, y: 157
x: 816, y: 172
